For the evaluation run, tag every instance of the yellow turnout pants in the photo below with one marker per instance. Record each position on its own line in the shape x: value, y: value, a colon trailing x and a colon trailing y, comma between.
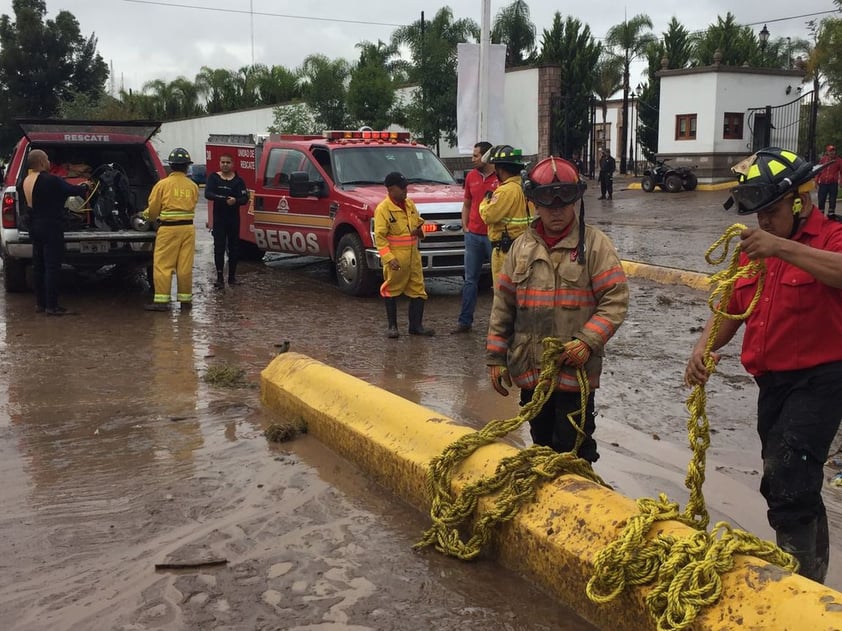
x: 175, y: 247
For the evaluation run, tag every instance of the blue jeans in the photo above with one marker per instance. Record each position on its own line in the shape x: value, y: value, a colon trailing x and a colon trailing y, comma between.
x: 477, y: 254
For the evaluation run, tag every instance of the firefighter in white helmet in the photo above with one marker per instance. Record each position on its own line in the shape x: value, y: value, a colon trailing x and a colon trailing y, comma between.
x: 173, y: 202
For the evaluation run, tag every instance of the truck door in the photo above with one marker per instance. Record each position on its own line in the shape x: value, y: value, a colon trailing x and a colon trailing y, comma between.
x: 286, y: 224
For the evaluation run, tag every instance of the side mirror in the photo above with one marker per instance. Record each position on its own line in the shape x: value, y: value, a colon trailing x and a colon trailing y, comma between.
x: 301, y: 186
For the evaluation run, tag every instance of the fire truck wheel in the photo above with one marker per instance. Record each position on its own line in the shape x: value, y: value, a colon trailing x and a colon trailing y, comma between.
x: 352, y: 272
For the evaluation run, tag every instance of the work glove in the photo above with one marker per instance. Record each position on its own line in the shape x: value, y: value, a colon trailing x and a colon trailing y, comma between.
x: 499, y: 375
x: 576, y: 353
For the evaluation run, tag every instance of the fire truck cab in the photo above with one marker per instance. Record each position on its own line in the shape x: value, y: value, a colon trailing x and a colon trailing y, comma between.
x: 316, y: 195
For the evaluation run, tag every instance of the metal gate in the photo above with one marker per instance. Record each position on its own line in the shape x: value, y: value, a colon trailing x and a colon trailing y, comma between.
x: 789, y: 126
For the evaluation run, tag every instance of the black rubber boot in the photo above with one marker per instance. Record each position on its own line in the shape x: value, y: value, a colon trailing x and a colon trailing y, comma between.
x: 416, y: 315
x: 392, y: 317
x: 802, y: 544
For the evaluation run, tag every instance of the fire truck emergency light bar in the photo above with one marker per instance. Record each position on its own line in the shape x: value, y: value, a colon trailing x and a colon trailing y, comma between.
x: 392, y: 136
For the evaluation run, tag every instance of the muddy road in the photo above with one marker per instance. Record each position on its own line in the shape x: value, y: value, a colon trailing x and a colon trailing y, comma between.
x: 115, y: 455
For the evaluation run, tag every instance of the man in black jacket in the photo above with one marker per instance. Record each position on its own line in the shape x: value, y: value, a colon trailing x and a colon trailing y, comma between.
x: 228, y: 192
x: 607, y: 166
x: 46, y: 194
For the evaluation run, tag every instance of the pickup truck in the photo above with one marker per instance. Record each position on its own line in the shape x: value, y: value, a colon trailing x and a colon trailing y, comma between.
x: 315, y: 195
x: 118, y: 157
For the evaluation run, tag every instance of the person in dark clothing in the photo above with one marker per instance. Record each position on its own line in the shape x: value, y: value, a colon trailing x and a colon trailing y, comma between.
x: 227, y: 191
x: 46, y: 194
x: 607, y: 166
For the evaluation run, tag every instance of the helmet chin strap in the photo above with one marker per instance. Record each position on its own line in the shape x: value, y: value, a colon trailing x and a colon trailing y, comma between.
x: 797, y: 206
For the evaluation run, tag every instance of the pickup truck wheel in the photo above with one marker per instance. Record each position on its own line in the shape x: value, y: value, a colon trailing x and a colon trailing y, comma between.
x: 352, y: 273
x: 673, y: 183
x: 647, y: 183
x: 14, y: 275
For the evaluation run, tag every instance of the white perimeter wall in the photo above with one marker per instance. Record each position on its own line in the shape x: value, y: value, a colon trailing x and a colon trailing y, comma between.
x: 520, y: 111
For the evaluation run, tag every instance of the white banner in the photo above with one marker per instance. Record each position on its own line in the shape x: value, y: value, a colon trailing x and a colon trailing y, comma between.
x: 467, y: 96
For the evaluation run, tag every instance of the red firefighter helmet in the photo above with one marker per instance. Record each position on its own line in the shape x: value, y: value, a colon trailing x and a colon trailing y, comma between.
x: 554, y: 182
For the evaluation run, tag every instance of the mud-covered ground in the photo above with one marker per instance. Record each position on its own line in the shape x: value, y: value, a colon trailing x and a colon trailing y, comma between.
x: 116, y: 456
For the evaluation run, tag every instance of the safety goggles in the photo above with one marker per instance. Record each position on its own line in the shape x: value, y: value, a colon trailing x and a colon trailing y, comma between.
x: 753, y: 197
x: 556, y: 195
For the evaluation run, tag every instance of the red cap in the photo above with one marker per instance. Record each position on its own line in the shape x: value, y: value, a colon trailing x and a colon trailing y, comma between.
x: 830, y: 148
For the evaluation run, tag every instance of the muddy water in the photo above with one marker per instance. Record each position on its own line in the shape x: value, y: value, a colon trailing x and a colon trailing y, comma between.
x: 115, y: 455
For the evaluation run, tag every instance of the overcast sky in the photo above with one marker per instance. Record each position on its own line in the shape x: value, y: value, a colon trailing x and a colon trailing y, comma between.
x: 163, y: 39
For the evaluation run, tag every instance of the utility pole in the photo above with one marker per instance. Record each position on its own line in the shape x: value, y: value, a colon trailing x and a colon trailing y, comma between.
x: 484, y: 76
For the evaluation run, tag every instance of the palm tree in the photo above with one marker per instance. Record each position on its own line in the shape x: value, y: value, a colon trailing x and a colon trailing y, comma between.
x: 608, y: 79
x: 734, y: 43
x: 219, y: 88
x: 432, y: 46
x: 513, y: 28
x: 631, y: 40
x: 324, y: 86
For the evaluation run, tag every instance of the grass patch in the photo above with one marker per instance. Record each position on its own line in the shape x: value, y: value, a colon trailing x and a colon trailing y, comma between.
x: 225, y: 376
x: 285, y: 431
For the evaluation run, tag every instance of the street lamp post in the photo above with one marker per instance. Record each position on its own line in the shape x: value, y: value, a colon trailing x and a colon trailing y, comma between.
x: 638, y: 91
x: 632, y: 133
x: 764, y: 38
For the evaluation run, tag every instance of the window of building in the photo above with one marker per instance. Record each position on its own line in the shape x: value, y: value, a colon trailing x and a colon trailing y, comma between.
x: 733, y: 126
x: 685, y: 127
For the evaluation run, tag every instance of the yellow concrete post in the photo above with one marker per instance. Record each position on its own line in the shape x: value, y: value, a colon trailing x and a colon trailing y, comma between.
x: 554, y: 540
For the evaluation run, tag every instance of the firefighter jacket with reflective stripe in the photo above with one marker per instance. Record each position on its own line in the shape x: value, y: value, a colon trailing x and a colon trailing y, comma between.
x: 544, y: 292
x: 393, y: 228
x: 173, y: 199
x: 506, y: 209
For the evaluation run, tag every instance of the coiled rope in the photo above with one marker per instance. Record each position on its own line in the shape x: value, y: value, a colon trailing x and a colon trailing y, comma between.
x: 516, y: 479
x: 685, y: 572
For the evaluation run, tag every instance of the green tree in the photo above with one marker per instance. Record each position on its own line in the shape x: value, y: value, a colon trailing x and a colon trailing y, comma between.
x: 324, y: 86
x: 294, y: 118
x: 735, y: 44
x: 371, y: 91
x: 276, y: 84
x: 514, y: 28
x: 631, y: 40
x: 570, y: 45
x: 219, y: 88
x: 431, y: 113
x: 608, y: 79
x: 44, y: 63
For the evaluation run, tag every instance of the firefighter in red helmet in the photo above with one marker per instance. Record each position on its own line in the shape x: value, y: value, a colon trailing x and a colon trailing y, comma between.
x: 560, y: 279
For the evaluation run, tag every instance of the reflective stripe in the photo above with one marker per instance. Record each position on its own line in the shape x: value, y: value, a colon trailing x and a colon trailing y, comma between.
x: 566, y: 380
x: 504, y: 283
x: 608, y: 279
x: 555, y: 298
x: 164, y: 298
x: 496, y: 344
x: 402, y: 240
x: 176, y: 215
x: 602, y: 327
x: 517, y: 221
x: 184, y: 297
x: 384, y: 251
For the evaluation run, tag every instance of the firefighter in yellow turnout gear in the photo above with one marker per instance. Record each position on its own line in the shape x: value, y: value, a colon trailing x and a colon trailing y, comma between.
x: 397, y: 230
x: 173, y: 202
x: 505, y: 211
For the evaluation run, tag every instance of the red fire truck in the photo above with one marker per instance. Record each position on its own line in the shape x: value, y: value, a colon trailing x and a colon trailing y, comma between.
x: 316, y: 195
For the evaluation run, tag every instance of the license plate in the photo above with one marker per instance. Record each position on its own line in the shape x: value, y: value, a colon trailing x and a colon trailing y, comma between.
x: 96, y: 247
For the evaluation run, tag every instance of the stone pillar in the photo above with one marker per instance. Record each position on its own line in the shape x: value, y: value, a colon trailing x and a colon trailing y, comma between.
x: 549, y: 85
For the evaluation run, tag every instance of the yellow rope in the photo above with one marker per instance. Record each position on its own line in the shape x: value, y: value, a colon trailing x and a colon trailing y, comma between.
x: 516, y: 478
x: 685, y: 571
